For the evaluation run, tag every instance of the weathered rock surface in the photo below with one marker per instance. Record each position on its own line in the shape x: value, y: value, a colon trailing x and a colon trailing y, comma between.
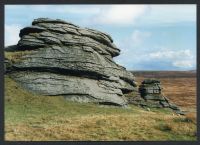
x: 54, y: 57
x: 150, y: 95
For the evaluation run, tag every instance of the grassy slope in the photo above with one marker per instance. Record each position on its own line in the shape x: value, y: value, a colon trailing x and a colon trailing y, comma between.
x: 32, y: 117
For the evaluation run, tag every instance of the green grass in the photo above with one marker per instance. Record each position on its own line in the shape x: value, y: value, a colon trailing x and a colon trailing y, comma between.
x: 16, y: 56
x: 30, y: 116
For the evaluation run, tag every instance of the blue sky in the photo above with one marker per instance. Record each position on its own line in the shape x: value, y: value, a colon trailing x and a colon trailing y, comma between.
x: 151, y: 37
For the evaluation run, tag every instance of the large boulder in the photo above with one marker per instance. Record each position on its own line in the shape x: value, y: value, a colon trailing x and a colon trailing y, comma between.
x: 54, y: 57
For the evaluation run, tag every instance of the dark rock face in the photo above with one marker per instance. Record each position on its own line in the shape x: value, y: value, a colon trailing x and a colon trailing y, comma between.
x: 54, y: 57
x: 151, y: 96
x: 150, y: 90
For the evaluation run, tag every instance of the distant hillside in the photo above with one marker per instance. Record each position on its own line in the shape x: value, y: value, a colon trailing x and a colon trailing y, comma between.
x: 164, y: 74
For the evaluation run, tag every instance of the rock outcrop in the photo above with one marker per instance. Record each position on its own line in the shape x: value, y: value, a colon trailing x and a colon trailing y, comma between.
x: 150, y: 95
x: 54, y: 57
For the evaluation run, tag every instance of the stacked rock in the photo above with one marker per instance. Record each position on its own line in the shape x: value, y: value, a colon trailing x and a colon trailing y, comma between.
x: 54, y: 57
x: 150, y: 89
x: 151, y: 96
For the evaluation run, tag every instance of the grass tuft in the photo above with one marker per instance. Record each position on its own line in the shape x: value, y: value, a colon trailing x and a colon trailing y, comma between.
x: 164, y: 127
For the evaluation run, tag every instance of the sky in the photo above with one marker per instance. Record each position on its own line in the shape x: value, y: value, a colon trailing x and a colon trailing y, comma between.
x: 150, y: 37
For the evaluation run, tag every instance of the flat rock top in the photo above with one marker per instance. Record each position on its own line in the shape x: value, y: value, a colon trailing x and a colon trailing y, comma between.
x: 48, y: 20
x: 151, y: 81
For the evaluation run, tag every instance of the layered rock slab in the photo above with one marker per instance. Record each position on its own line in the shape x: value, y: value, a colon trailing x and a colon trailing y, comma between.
x: 54, y: 57
x: 150, y: 95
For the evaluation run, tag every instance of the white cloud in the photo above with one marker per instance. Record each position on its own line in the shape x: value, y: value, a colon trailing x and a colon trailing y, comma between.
x: 170, y: 54
x: 180, y: 59
x: 183, y: 63
x: 120, y: 14
x: 12, y: 34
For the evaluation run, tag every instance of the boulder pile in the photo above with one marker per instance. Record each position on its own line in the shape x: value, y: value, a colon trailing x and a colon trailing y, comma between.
x: 151, y: 96
x: 54, y: 57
